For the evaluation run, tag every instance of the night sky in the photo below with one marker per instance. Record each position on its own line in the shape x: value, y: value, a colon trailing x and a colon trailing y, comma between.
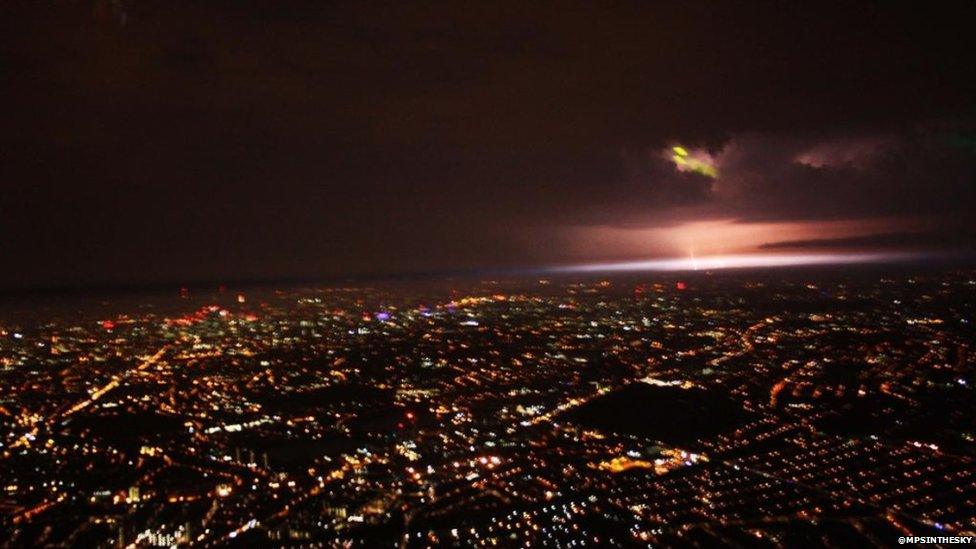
x: 158, y: 142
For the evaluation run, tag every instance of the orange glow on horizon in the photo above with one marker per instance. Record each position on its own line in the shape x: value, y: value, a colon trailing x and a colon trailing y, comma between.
x: 739, y: 261
x: 714, y: 237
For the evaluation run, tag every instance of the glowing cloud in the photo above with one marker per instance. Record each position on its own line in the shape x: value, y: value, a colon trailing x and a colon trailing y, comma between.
x: 698, y: 162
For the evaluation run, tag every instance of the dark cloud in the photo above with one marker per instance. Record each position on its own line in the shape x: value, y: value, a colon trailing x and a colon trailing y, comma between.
x: 901, y: 241
x: 784, y: 176
x: 148, y: 140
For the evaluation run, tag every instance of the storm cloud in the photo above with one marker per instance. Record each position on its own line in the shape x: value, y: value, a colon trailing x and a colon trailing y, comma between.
x: 160, y: 141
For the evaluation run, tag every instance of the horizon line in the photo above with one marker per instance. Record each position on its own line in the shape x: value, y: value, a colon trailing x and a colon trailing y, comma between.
x: 668, y: 264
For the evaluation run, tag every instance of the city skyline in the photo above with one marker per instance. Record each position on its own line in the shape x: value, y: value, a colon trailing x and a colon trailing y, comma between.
x: 813, y: 406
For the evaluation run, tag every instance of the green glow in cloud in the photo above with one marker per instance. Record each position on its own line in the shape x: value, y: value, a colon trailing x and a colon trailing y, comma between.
x: 699, y: 163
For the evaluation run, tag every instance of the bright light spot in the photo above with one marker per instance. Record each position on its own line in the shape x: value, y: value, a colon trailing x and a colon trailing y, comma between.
x: 699, y: 161
x: 737, y: 262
